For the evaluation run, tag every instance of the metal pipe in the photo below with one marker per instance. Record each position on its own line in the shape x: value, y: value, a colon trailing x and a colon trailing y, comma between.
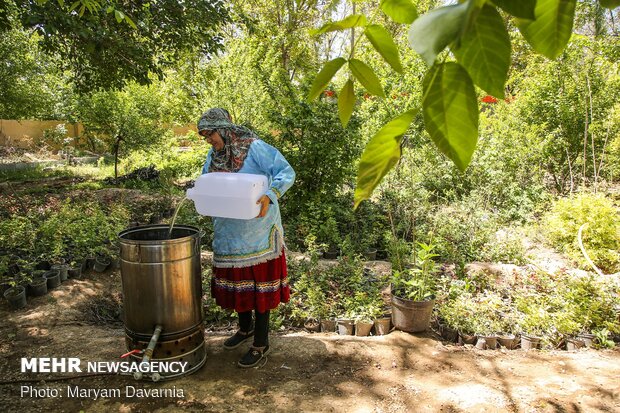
x: 148, y: 353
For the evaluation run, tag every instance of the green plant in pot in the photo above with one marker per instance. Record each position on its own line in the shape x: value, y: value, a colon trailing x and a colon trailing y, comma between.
x: 329, y: 235
x: 458, y: 314
x: 535, y: 321
x: 413, y: 292
x: 364, y: 308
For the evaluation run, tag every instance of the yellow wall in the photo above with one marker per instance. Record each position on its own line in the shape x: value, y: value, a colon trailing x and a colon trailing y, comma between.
x: 25, y: 133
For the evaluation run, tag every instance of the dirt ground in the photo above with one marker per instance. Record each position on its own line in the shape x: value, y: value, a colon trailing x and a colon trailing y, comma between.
x: 306, y: 372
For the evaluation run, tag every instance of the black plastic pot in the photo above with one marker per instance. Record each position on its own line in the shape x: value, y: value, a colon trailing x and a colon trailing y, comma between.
x: 101, y: 264
x: 62, y: 271
x: 38, y: 286
x: 487, y: 342
x: 574, y: 343
x: 588, y: 339
x: 53, y: 278
x: 75, y: 272
x: 330, y: 255
x: 382, y: 254
x: 371, y: 254
x: 42, y: 265
x: 16, y: 296
x: 382, y: 326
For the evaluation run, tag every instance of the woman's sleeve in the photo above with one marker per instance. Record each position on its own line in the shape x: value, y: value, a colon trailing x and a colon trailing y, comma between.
x: 273, y: 163
x: 205, y: 167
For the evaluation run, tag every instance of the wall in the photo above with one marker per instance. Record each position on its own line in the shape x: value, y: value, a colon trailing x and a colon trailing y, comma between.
x: 25, y: 133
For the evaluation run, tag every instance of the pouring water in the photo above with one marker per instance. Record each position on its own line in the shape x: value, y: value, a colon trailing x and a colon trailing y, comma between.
x: 174, y: 217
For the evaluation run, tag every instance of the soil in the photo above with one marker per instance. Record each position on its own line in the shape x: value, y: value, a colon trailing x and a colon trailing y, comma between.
x: 318, y: 372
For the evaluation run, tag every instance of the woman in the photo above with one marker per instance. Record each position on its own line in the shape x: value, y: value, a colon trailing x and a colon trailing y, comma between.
x: 249, y: 266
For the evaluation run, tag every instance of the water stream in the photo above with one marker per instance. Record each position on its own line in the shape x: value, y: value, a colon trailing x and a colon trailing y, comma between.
x: 174, y: 217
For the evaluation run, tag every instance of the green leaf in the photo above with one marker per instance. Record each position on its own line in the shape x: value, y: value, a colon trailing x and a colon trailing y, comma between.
x: 383, y: 42
x: 324, y: 77
x: 74, y: 5
x: 109, y: 10
x: 485, y: 52
x: 610, y: 4
x: 366, y: 76
x: 401, y: 11
x: 450, y: 112
x: 354, y: 20
x: 120, y: 16
x: 130, y: 22
x: 432, y: 32
x: 550, y: 32
x: 346, y: 102
x: 381, y: 154
x: 521, y: 8
x: 60, y: 2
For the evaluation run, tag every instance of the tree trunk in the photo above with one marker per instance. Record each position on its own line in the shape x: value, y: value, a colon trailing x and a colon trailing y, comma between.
x: 117, y: 144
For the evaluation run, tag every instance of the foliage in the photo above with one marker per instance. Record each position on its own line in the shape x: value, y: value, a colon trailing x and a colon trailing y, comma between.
x: 418, y: 283
x: 76, y: 229
x: 476, y: 35
x: 129, y: 117
x: 601, y: 236
x: 31, y: 84
x: 172, y: 160
x: 343, y: 289
x: 459, y: 313
x: 105, y: 52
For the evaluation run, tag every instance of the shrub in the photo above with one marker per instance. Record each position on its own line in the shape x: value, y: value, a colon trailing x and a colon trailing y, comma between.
x: 601, y: 236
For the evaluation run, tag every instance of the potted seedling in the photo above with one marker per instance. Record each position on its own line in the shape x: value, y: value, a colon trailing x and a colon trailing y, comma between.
x: 37, y: 285
x: 413, y: 292
x: 102, y: 261
x: 367, y: 309
x: 16, y: 294
x: 62, y: 268
x: 329, y: 234
x: 458, y: 314
x: 75, y: 268
x: 533, y: 324
x: 566, y: 328
x: 53, y: 278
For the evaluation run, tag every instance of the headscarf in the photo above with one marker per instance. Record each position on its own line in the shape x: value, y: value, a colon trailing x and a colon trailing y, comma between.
x: 237, y: 140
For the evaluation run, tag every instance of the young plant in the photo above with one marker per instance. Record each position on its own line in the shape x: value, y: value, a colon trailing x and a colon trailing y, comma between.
x: 418, y: 283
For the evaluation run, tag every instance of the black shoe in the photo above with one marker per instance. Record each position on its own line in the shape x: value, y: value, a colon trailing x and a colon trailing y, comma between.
x: 237, y: 339
x: 253, y: 357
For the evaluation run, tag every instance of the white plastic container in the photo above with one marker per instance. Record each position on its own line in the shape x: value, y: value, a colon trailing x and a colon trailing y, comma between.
x: 228, y: 195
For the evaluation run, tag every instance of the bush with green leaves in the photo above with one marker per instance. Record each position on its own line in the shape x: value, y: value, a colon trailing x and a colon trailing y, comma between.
x: 460, y: 231
x: 172, y: 160
x: 18, y: 234
x: 601, y: 235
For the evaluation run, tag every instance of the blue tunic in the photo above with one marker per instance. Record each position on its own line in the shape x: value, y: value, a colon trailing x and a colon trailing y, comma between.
x: 246, y: 242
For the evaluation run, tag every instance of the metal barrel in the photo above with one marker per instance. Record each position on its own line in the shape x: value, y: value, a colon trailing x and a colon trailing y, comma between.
x: 162, y: 285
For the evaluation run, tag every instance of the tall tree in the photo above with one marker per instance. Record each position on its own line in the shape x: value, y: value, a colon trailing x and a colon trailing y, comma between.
x: 103, y: 51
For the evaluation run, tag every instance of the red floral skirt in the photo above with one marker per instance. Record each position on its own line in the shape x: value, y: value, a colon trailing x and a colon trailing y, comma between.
x: 260, y: 287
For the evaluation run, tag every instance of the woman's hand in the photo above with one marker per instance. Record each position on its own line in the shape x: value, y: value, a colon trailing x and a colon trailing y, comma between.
x: 264, y: 207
